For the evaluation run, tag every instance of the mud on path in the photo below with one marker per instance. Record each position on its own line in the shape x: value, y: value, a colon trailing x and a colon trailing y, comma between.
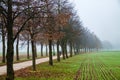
x: 92, y: 68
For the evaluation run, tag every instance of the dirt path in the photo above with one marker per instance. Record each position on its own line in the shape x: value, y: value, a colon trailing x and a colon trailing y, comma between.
x: 25, y: 64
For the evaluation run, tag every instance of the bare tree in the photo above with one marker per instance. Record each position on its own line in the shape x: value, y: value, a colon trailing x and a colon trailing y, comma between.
x: 3, y: 34
x: 12, y: 9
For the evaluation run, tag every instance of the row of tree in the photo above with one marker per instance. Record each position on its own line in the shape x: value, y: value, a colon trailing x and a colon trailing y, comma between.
x: 42, y: 22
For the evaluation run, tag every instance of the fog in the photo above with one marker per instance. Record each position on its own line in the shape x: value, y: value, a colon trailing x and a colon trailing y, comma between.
x: 101, y: 17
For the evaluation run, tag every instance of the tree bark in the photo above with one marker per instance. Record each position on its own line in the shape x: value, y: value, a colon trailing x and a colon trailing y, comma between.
x: 71, y: 53
x: 46, y: 50
x: 58, y: 53
x: 63, y: 50
x: 17, y: 49
x: 50, y: 53
x: 3, y: 45
x: 33, y: 54
x: 42, y: 49
x: 85, y: 50
x: 66, y: 50
x: 53, y: 50
x: 35, y: 49
x: 74, y: 49
x: 10, y: 49
x: 28, y: 55
x: 9, y: 57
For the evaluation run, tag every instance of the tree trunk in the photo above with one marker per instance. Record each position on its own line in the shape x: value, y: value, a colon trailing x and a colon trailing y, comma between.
x: 35, y: 49
x: 74, y: 49
x: 71, y: 53
x: 58, y: 53
x: 17, y: 49
x: 66, y: 50
x: 50, y: 53
x: 10, y: 49
x: 46, y: 50
x: 79, y: 50
x: 33, y: 54
x: 28, y: 55
x: 3, y: 44
x: 9, y: 57
x: 63, y: 50
x: 85, y: 50
x: 53, y: 50
x: 42, y: 49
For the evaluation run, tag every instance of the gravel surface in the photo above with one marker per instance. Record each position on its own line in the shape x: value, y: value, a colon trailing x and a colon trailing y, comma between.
x: 25, y: 64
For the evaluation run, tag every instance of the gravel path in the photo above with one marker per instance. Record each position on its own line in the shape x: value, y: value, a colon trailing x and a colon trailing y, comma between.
x: 25, y: 64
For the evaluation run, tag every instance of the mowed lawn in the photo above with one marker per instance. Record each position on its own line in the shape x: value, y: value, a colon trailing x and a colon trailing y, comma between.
x: 90, y: 66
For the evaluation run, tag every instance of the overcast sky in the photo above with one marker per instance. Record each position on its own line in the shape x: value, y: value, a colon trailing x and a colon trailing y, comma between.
x: 101, y: 17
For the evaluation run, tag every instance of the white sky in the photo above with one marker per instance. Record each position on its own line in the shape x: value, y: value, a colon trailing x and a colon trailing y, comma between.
x: 101, y: 17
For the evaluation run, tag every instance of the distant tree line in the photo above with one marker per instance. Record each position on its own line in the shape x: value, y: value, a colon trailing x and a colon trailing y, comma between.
x: 46, y: 23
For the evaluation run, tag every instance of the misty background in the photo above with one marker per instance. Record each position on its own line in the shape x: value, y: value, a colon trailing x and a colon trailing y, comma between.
x: 101, y: 17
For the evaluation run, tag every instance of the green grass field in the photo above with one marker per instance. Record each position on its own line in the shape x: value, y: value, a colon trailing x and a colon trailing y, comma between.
x: 91, y: 66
